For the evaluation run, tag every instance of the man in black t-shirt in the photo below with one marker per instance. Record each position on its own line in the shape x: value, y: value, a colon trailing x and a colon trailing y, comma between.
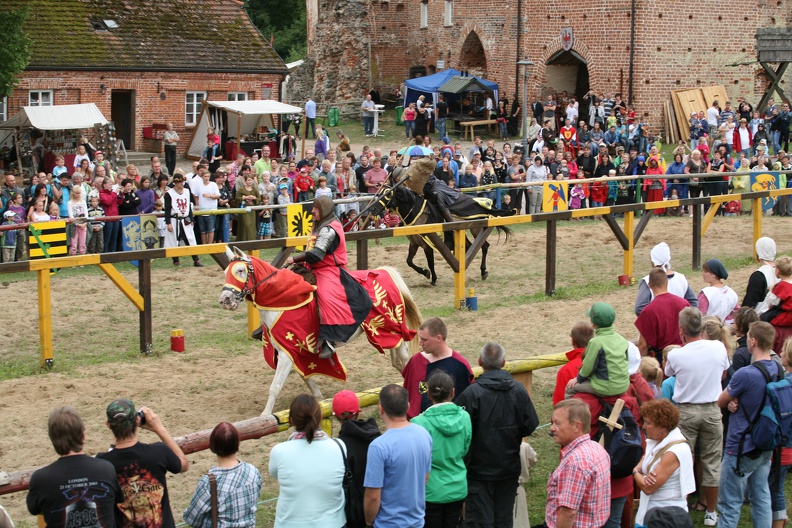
x: 76, y: 489
x: 141, y: 468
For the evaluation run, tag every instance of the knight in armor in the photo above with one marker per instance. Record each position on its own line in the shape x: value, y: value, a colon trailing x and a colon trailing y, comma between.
x: 437, y: 192
x: 343, y: 302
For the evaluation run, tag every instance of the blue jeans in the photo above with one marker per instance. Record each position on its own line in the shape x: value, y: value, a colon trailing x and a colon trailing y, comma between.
x: 616, y: 509
x: 775, y: 135
x: 732, y: 489
x: 503, y: 131
x: 777, y: 493
x: 440, y: 125
x: 112, y: 233
x: 409, y: 128
x: 368, y: 125
x: 222, y: 228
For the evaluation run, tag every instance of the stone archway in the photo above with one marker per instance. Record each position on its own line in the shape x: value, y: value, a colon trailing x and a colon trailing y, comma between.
x: 472, y: 58
x: 567, y: 71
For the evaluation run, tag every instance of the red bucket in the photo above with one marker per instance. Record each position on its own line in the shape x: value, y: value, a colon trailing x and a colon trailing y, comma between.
x: 177, y: 340
x: 624, y: 280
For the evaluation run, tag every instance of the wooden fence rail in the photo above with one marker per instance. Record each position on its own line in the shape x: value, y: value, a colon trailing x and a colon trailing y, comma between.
x: 627, y: 236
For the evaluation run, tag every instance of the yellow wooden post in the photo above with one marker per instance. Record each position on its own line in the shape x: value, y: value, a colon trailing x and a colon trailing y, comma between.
x: 629, y: 253
x: 45, y: 317
x: 757, y: 222
x: 459, y: 277
x: 253, y: 316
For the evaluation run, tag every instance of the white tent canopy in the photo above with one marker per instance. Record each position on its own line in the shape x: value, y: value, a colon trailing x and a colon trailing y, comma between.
x: 59, y: 117
x: 243, y: 118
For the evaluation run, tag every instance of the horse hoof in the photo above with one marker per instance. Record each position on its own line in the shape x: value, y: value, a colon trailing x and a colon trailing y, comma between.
x: 484, y: 275
x: 427, y: 274
x: 434, y: 282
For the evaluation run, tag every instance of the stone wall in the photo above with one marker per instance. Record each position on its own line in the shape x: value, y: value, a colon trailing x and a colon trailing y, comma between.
x: 338, y: 53
x: 677, y: 45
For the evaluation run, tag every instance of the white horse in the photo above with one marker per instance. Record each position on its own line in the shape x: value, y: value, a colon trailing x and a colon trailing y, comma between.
x: 281, y: 295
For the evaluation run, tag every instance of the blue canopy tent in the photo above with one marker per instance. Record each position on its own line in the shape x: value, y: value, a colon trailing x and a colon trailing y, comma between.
x: 430, y: 85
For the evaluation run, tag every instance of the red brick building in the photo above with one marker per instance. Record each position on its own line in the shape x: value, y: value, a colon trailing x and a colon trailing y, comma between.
x: 143, y: 62
x: 675, y: 45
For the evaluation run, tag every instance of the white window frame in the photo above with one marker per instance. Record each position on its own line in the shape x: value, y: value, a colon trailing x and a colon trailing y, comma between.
x: 3, y: 109
x: 424, y: 14
x: 40, y: 96
x: 237, y: 96
x: 192, y: 107
x: 448, y: 13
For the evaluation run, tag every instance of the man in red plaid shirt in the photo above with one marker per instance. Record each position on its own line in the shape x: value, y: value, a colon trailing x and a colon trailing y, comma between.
x: 579, y: 490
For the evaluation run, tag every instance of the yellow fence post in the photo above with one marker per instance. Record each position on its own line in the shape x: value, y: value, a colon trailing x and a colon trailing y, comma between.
x: 459, y: 277
x: 253, y: 315
x: 45, y: 317
x: 757, y: 222
x: 629, y: 253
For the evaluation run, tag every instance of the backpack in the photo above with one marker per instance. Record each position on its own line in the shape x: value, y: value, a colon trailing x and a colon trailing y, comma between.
x: 770, y: 428
x: 353, y: 504
x: 623, y: 445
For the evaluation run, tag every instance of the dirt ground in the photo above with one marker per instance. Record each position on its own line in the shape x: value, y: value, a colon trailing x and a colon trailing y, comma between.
x: 222, y: 375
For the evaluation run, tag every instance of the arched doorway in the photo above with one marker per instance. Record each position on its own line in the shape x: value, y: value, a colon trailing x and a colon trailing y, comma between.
x: 472, y: 58
x: 568, y: 71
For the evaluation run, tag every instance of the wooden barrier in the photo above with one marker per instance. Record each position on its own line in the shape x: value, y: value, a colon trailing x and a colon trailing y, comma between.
x: 260, y: 426
x: 627, y: 235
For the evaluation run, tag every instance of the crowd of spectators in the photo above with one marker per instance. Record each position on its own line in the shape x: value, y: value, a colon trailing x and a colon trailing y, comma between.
x: 566, y: 141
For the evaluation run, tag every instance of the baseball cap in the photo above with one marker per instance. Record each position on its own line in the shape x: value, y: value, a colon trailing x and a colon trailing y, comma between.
x: 345, y: 401
x: 98, y: 152
x: 9, y: 214
x: 121, y: 410
x: 602, y: 314
x: 283, y: 186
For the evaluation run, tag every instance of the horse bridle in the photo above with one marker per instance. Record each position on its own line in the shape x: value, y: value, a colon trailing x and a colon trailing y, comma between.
x: 249, y: 287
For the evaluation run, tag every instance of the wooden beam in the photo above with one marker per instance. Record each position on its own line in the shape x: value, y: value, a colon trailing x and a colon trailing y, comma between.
x: 446, y: 253
x: 617, y: 230
x: 221, y: 259
x: 459, y: 275
x: 45, y: 317
x: 696, y: 264
x: 283, y: 255
x: 145, y: 315
x: 362, y: 254
x: 253, y: 315
x: 708, y: 216
x: 123, y: 285
x: 550, y: 258
x: 476, y: 245
x: 639, y: 229
x: 757, y: 220
x: 629, y: 251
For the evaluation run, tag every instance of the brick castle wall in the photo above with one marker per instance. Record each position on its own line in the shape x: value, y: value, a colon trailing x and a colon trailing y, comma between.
x: 676, y: 46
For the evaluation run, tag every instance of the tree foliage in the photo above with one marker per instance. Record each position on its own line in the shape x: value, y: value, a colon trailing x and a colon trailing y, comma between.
x: 284, y: 21
x: 15, y: 49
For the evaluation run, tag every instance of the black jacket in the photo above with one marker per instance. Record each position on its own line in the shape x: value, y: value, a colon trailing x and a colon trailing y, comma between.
x: 357, y: 435
x: 502, y: 414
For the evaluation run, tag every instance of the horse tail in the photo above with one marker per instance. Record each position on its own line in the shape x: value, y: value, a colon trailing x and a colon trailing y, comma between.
x: 411, y: 312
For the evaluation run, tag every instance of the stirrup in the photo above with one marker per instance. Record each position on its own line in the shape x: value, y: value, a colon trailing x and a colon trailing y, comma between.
x: 257, y: 334
x: 325, y: 350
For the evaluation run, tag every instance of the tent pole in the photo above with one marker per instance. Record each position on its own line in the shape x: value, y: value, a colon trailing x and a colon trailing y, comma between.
x: 239, y: 133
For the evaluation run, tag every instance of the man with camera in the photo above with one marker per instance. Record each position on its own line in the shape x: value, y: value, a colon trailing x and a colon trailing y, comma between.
x: 141, y: 468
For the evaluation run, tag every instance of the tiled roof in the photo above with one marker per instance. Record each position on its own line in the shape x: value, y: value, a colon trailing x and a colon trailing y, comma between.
x: 152, y: 35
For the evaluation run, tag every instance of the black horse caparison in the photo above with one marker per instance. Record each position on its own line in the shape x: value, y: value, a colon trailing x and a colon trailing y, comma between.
x: 415, y: 210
